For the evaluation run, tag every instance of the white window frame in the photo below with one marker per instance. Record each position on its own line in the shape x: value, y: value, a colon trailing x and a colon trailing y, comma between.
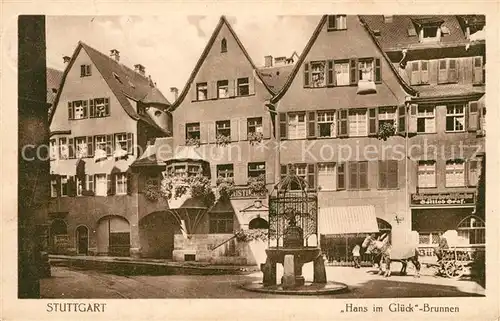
x: 64, y: 182
x: 296, y: 127
x: 81, y: 147
x: 387, y: 115
x: 121, y: 183
x: 327, y: 176
x: 223, y: 127
x: 433, y: 238
x: 79, y: 187
x: 63, y: 148
x: 121, y: 139
x: 192, y: 129
x: 100, y: 144
x: 78, y: 109
x: 256, y: 169
x: 101, y: 185
x: 54, y: 151
x: 225, y: 172
x: 455, y: 115
x: 254, y: 125
x: 327, y: 118
x: 201, y: 91
x: 429, y: 118
x: 426, y: 174
x: 467, y: 225
x: 100, y: 108
x: 318, y: 75
x: 358, y: 122
x: 430, y: 39
x: 455, y: 173
x: 366, y: 69
x: 53, y: 188
x: 89, y: 183
x: 243, y: 83
x: 222, y: 89
x: 342, y: 73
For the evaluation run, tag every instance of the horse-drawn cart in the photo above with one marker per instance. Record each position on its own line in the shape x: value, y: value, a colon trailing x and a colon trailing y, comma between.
x: 454, y: 264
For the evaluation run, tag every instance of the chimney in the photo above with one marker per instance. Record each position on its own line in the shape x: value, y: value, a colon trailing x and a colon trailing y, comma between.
x: 387, y: 19
x: 140, y: 69
x: 115, y: 54
x: 268, y: 61
x: 174, y: 91
x: 66, y: 59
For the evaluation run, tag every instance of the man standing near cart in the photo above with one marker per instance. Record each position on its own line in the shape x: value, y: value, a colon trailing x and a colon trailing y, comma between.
x: 443, y: 244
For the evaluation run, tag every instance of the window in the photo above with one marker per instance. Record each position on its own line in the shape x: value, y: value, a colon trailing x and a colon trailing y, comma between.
x: 455, y: 173
x: 300, y: 171
x: 121, y: 183
x: 455, y: 118
x: 243, y: 87
x: 341, y: 176
x: 89, y: 183
x: 193, y: 131
x: 223, y: 45
x: 387, y: 115
x: 297, y: 126
x: 472, y: 231
x: 64, y: 185
x: 193, y: 170
x: 221, y: 223
x: 430, y: 32
x: 473, y: 172
x: 152, y: 179
x: 318, y: 74
x: 99, y: 107
x: 426, y: 119
x: 81, y: 147
x: 79, y: 109
x: 326, y: 124
x: 101, y: 185
x: 63, y: 148
x: 358, y: 175
x: 53, y: 149
x: 121, y: 140
x: 53, y: 188
x: 388, y: 174
x: 366, y: 70
x: 358, y: 123
x: 79, y: 187
x: 225, y: 171
x: 202, y: 91
x: 223, y: 128
x: 256, y: 169
x: 419, y: 72
x: 222, y: 89
x: 326, y: 176
x: 337, y: 22
x: 428, y: 238
x: 85, y: 71
x: 342, y: 73
x: 426, y: 174
x: 180, y: 170
x: 100, y: 142
x: 254, y: 125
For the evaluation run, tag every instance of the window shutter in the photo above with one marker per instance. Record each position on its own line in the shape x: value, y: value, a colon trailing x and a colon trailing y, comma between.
x: 231, y: 87
x: 473, y: 116
x: 452, y: 70
x: 311, y: 124
x: 283, y: 171
x: 89, y: 70
x: 234, y: 129
x: 82, y: 70
x: 71, y: 186
x: 182, y: 134
x: 353, y: 75
x: 343, y: 126
x: 70, y: 110
x: 378, y: 71
x: 363, y: 175
x: 477, y: 74
x: 71, y: 148
x: 203, y: 132
x: 412, y: 124
x: 92, y: 108
x: 213, y: 174
x: 240, y: 174
x: 130, y: 182
x: 269, y: 173
x: 311, y: 176
x: 392, y: 174
x: 111, y: 182
x: 402, y: 120
x: 85, y: 108
x: 424, y: 71
x: 90, y: 146
x: 341, y: 177
x: 211, y: 132
x: 251, y: 85
x: 411, y: 30
x: 243, y: 127
x: 306, y: 75
x: 332, y: 22
x: 266, y: 126
x: 194, y: 92
x: 212, y: 90
x: 442, y: 71
x: 109, y: 145
x: 130, y: 143
x: 382, y: 174
x: 472, y: 170
x: 415, y: 72
x: 353, y: 175
x: 330, y: 73
x: 283, y: 125
x: 372, y: 121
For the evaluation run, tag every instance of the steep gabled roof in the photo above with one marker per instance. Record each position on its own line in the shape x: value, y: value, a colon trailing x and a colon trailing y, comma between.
x: 124, y: 82
x: 223, y: 21
x: 311, y: 42
x: 54, y: 78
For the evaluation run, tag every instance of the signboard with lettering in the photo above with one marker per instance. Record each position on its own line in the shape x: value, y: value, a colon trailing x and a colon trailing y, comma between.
x: 442, y: 199
x: 61, y: 243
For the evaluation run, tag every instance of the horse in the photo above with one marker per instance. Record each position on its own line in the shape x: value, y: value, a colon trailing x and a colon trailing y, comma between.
x: 383, y: 247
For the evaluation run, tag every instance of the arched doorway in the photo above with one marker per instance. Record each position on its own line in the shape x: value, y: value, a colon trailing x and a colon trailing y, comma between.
x: 82, y: 240
x: 113, y: 236
x: 156, y: 235
x: 59, y: 239
x: 258, y: 223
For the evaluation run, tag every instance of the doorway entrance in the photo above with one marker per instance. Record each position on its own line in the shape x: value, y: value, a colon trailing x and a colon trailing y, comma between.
x: 82, y: 239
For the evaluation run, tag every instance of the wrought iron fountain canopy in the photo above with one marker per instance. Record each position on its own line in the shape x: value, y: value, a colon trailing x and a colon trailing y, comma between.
x: 293, y: 212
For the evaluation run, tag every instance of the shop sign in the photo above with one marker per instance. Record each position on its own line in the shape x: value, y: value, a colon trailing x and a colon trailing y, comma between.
x: 439, y: 199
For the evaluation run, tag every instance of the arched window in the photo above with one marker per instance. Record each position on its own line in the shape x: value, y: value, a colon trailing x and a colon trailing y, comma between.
x: 223, y: 45
x: 471, y: 230
x: 258, y: 223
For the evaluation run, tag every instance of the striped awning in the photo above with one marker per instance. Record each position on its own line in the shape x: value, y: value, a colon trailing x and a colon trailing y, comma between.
x: 347, y: 220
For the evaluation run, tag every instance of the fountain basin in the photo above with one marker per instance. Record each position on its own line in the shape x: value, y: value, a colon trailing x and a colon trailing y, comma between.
x: 302, y: 255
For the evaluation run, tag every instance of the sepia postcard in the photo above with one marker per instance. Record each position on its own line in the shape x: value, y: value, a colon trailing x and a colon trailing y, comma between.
x: 324, y: 161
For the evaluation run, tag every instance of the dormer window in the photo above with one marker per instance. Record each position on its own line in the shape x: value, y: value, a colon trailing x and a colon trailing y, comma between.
x: 429, y: 32
x: 337, y: 22
x: 223, y: 45
x: 429, y: 28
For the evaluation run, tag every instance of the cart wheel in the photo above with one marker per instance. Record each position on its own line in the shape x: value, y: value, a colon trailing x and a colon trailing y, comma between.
x: 454, y: 270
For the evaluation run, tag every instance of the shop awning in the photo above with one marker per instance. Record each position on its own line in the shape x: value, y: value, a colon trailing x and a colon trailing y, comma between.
x: 347, y: 220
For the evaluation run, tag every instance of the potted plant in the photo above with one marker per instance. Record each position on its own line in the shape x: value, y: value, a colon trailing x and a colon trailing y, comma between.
x: 255, y: 137
x: 386, y: 130
x: 251, y: 235
x: 173, y: 187
x: 225, y: 187
x: 258, y: 184
x: 152, y: 192
x: 223, y: 140
x: 193, y: 141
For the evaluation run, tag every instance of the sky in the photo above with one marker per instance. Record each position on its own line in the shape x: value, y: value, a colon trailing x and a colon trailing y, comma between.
x: 170, y: 46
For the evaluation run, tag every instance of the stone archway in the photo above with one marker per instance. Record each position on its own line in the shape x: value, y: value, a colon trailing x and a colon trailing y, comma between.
x: 113, y: 236
x: 82, y: 240
x: 156, y: 234
x: 258, y: 223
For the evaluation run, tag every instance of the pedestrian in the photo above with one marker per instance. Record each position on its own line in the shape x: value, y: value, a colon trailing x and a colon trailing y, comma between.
x: 442, y: 246
x: 356, y: 255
